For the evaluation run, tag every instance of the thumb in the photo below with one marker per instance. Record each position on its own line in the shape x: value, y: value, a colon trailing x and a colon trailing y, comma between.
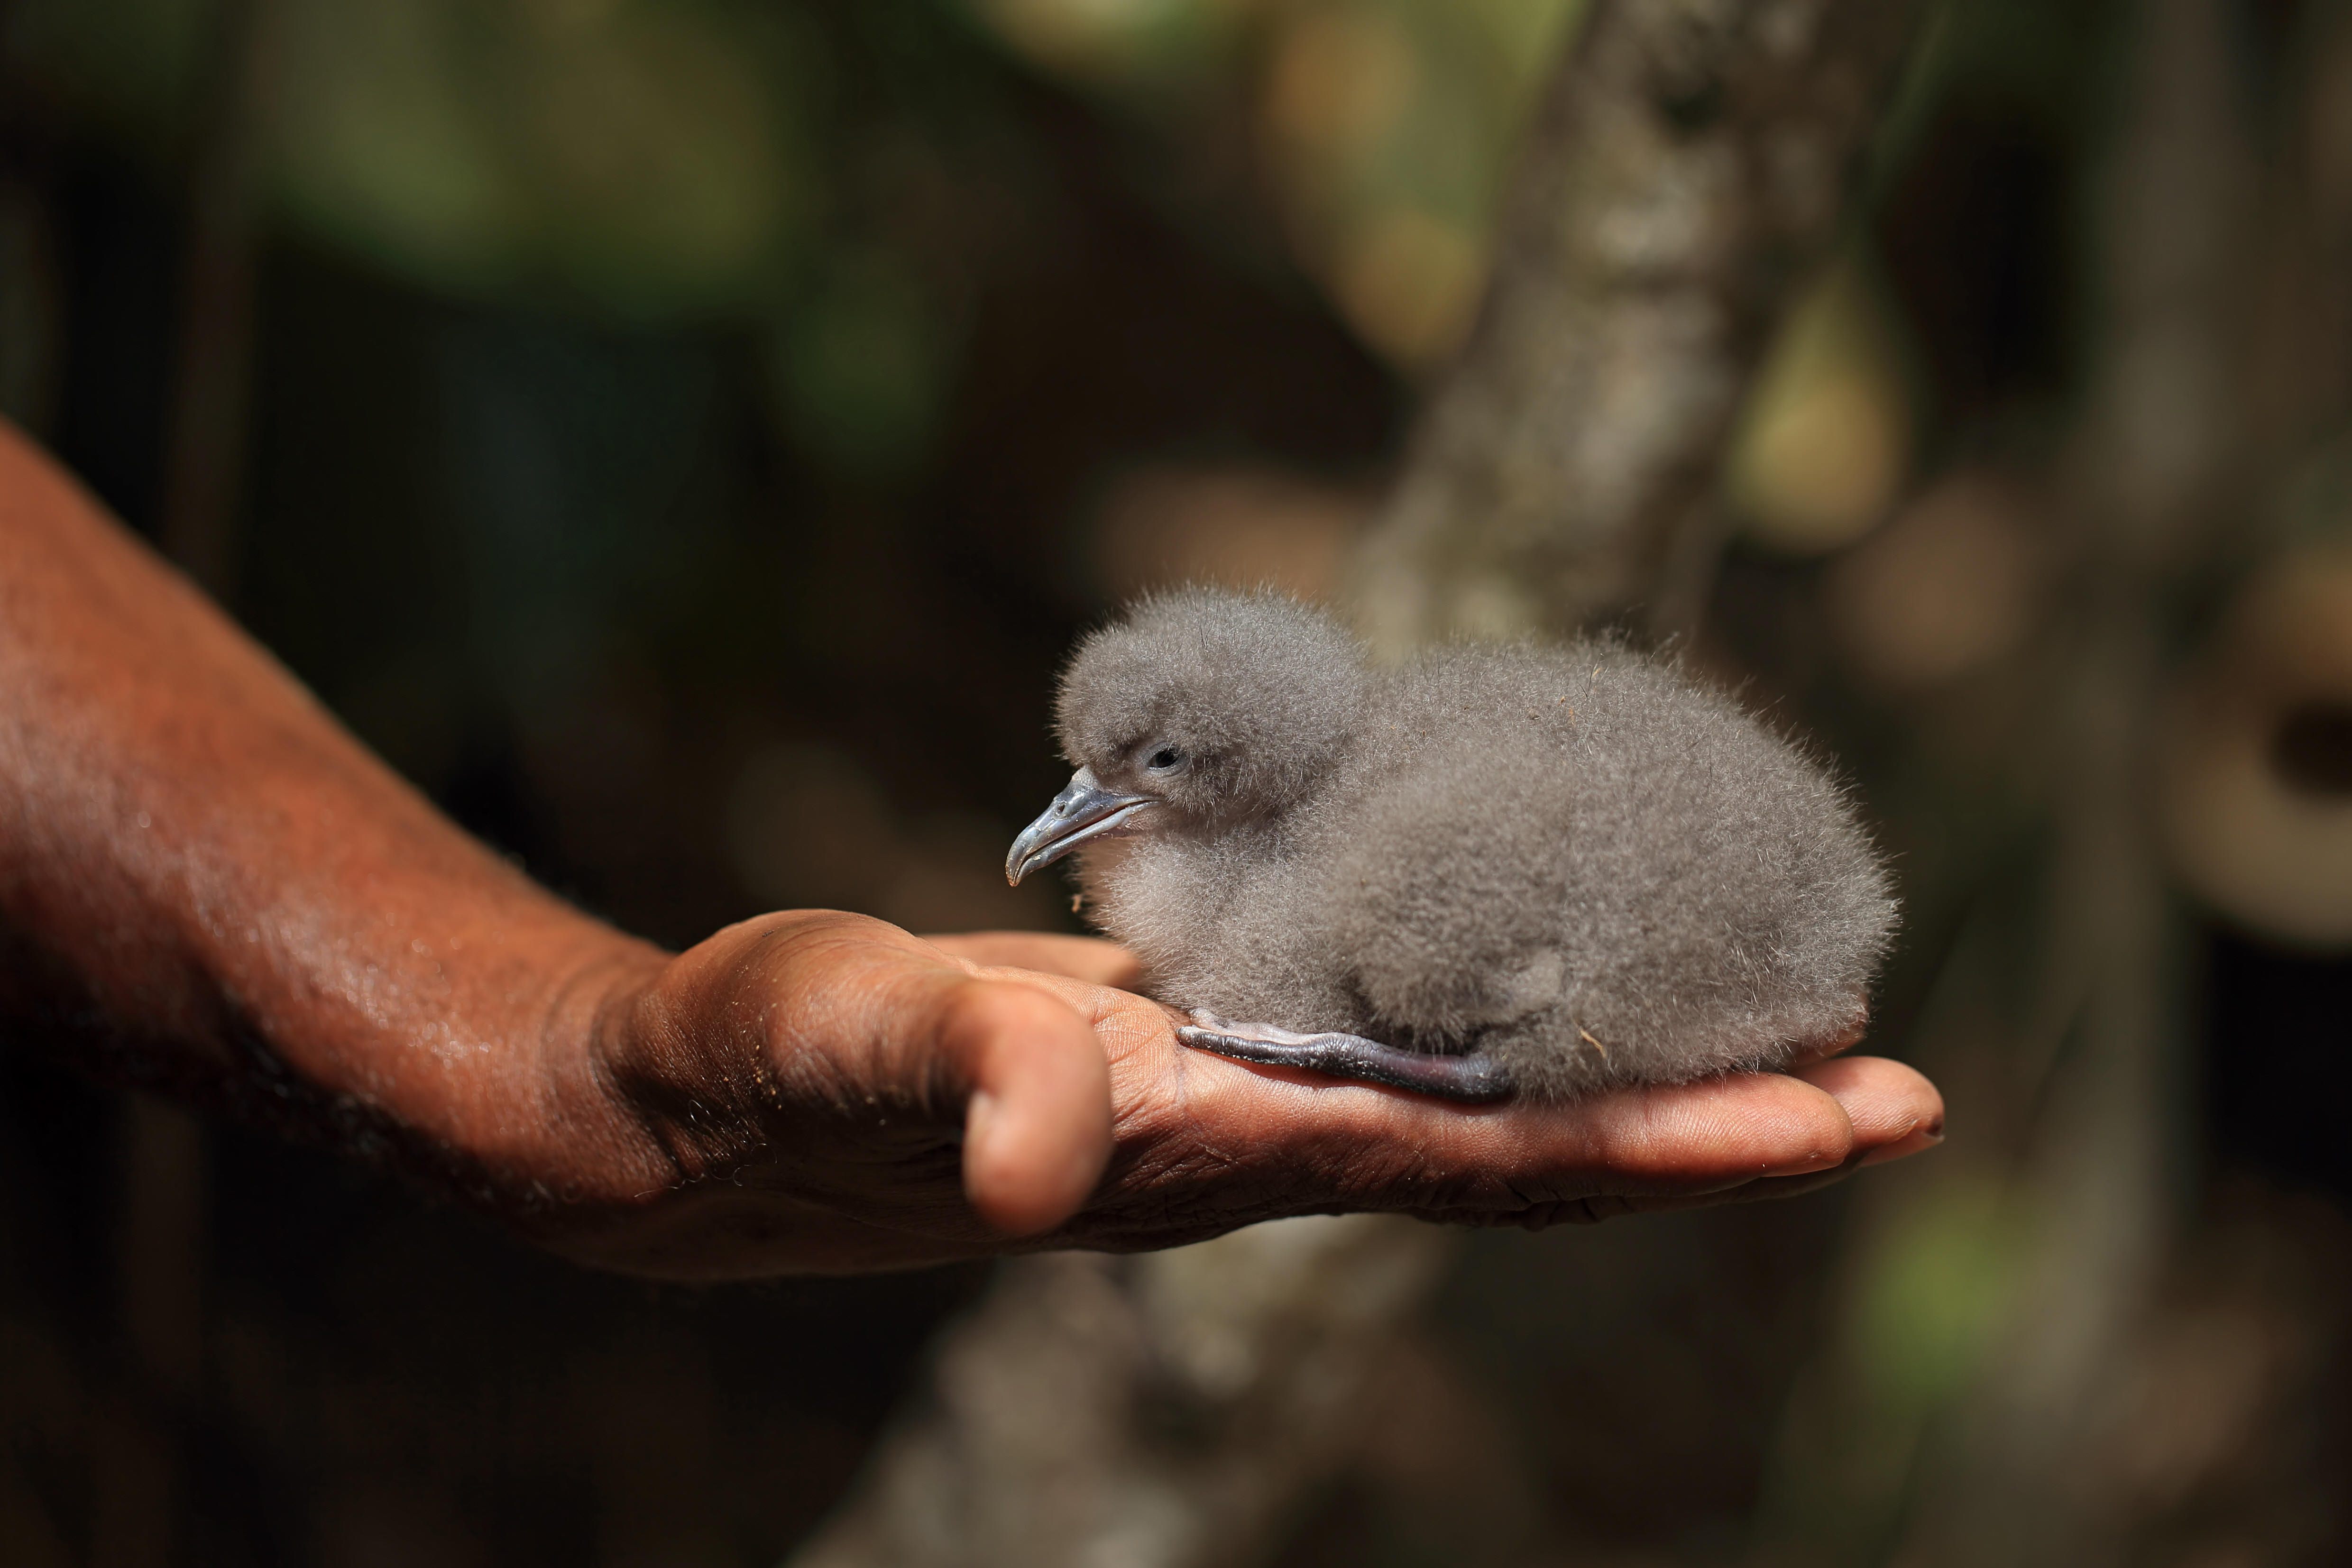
x: 1037, y: 1121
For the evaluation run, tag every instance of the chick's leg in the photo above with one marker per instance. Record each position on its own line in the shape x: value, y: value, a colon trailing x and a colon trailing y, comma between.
x: 1469, y: 1076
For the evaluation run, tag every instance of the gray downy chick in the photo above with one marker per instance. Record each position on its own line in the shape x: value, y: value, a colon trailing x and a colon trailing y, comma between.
x: 1495, y: 869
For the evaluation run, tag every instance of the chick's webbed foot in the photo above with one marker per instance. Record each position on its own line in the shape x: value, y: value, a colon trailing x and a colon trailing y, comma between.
x: 1468, y: 1076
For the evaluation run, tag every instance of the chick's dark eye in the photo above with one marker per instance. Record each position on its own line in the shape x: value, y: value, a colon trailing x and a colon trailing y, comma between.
x: 1166, y: 757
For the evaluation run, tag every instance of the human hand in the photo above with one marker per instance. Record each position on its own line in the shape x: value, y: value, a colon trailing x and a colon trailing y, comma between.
x: 839, y: 1096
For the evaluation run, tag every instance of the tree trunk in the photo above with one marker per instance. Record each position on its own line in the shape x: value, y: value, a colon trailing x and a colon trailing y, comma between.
x: 1689, y: 163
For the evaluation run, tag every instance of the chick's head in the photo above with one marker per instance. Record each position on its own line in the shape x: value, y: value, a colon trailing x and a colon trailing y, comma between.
x: 1218, y: 705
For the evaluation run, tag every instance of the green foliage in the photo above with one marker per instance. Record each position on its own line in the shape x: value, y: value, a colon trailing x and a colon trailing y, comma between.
x: 638, y: 156
x: 1933, y: 1291
x: 645, y: 157
x: 834, y: 176
x: 863, y: 364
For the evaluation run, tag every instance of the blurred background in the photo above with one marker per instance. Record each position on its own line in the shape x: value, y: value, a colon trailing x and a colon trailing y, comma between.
x: 683, y: 435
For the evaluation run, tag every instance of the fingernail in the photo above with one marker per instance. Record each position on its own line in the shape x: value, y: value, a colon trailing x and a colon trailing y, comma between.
x: 978, y: 1112
x: 1807, y: 1165
x: 1918, y: 1139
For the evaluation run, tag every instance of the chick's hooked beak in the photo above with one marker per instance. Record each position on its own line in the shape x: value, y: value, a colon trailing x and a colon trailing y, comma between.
x: 1084, y: 810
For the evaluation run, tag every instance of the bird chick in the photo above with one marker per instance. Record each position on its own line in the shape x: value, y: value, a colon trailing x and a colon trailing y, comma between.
x: 1495, y: 870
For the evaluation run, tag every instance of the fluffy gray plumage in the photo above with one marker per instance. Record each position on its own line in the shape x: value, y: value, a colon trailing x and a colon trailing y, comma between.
x: 1574, y: 862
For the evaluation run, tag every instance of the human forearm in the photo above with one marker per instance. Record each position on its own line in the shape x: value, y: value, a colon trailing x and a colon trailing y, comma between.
x: 207, y: 882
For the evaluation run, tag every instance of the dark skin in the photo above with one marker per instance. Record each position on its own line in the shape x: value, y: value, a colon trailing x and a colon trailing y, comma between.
x: 205, y: 883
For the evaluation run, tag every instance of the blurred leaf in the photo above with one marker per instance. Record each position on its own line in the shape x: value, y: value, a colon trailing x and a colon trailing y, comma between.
x: 641, y: 156
x: 1935, y: 1291
x: 1825, y: 440
x: 864, y: 364
x: 381, y: 146
x: 1120, y: 44
x: 1390, y: 124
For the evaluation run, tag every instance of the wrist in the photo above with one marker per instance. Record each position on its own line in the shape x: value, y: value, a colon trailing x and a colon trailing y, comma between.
x: 492, y: 1084
x: 567, y: 1142
x: 651, y: 1092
